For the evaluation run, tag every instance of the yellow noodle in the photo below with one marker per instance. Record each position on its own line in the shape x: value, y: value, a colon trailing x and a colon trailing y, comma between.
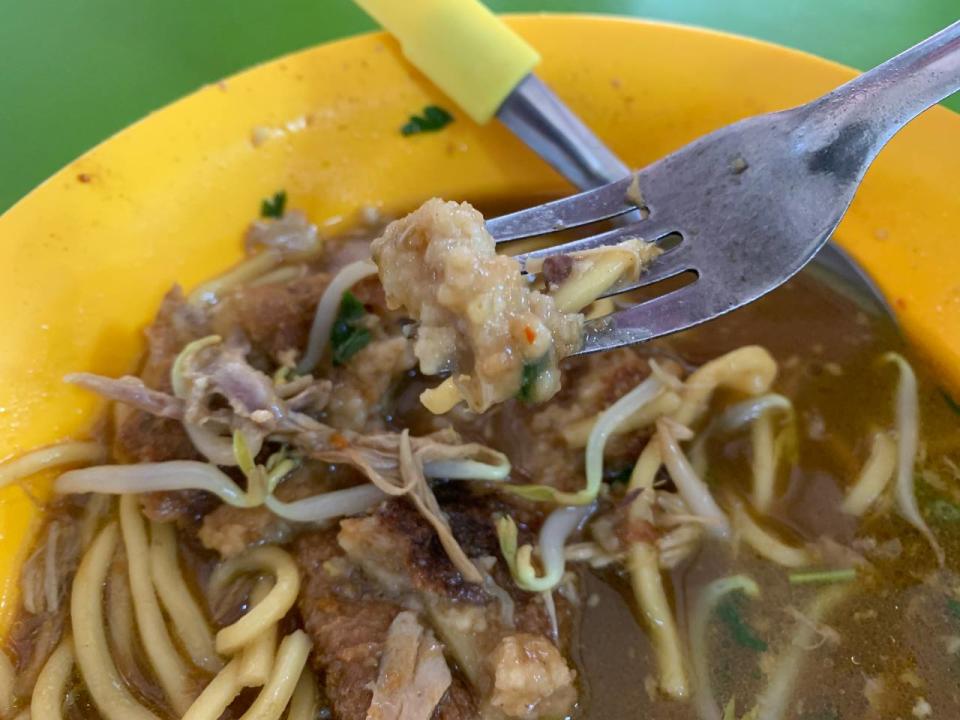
x: 442, y: 398
x: 171, y: 670
x: 103, y: 682
x: 764, y: 543
x: 599, y: 308
x: 874, y: 477
x: 303, y: 704
x: 8, y: 676
x: 23, y: 466
x: 763, y: 462
x: 598, y: 276
x: 256, y: 659
x: 645, y: 470
x: 749, y: 369
x: 577, y: 434
x: 51, y: 687
x: 291, y: 661
x: 647, y: 585
x: 282, y: 596
x: 188, y: 620
x: 217, y: 695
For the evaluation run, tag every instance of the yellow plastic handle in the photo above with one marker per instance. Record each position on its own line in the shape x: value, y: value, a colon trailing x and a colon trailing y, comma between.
x: 461, y: 46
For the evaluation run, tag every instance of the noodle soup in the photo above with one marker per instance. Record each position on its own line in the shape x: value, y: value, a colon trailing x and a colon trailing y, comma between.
x: 755, y: 518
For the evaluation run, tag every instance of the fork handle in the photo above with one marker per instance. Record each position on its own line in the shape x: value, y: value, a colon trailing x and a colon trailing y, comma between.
x: 468, y: 52
x: 882, y: 100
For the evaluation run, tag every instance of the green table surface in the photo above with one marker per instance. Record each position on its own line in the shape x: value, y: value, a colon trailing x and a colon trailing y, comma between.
x: 72, y: 72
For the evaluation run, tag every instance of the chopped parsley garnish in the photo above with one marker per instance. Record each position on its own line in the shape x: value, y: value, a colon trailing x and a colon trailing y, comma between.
x: 951, y: 403
x: 953, y: 607
x: 528, y: 381
x: 434, y: 118
x: 273, y: 207
x: 348, y: 336
x: 729, y: 611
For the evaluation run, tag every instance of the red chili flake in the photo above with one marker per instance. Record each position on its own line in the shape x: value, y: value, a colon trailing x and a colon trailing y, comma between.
x: 530, y: 334
x: 84, y: 178
x: 339, y: 441
x: 901, y: 303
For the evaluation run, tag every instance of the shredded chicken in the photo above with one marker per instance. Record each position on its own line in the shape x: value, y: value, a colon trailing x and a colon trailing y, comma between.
x: 212, y: 373
x: 130, y: 391
x: 413, y: 675
x: 221, y: 370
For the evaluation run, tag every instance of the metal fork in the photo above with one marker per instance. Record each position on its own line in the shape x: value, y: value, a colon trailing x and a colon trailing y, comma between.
x: 752, y: 202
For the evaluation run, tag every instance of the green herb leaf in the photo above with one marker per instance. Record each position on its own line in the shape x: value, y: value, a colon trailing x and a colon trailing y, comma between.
x: 951, y: 403
x: 351, y: 309
x: 348, y: 337
x: 273, y: 207
x: 434, y: 118
x: 528, y: 381
x: 728, y: 610
x: 356, y: 341
x: 822, y: 576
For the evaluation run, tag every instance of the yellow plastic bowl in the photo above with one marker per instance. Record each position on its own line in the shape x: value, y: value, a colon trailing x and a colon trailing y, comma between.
x: 86, y: 257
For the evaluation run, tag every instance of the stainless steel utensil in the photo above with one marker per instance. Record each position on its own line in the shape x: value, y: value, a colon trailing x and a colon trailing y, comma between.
x: 534, y: 113
x: 753, y: 202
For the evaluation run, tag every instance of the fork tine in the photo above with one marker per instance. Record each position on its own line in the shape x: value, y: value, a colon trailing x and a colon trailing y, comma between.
x: 672, y: 263
x: 665, y: 314
x: 587, y: 207
x: 648, y: 231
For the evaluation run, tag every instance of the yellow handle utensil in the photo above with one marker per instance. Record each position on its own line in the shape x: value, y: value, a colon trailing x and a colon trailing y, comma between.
x: 461, y: 46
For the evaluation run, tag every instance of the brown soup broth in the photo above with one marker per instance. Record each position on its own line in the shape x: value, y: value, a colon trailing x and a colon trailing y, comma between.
x: 890, y: 635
